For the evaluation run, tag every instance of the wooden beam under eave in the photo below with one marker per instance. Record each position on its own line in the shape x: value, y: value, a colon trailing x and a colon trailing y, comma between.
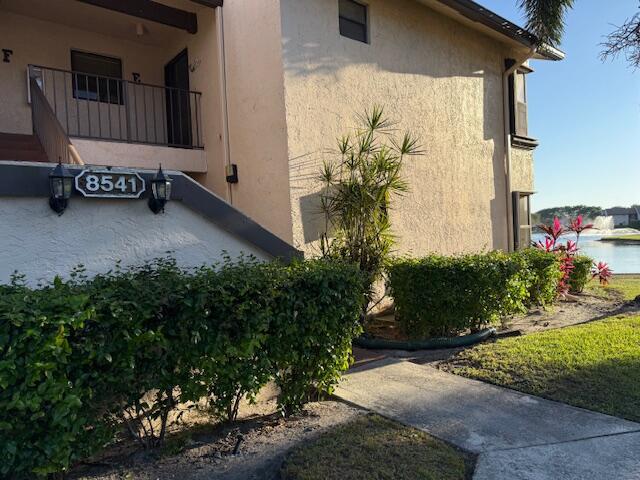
x: 152, y: 11
x: 209, y: 3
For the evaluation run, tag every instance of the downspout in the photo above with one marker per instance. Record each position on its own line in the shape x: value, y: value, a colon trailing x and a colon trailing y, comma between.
x: 222, y: 81
x: 507, y: 142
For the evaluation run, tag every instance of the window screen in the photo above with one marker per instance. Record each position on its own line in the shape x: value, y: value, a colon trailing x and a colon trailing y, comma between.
x: 353, y: 20
x: 521, y: 220
x: 518, y: 104
x: 97, y: 77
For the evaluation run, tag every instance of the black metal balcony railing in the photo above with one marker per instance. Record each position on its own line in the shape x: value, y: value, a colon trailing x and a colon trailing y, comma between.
x: 106, y: 108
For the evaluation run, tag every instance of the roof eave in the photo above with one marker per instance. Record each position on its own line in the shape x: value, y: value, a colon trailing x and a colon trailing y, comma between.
x: 548, y: 52
x: 481, y: 15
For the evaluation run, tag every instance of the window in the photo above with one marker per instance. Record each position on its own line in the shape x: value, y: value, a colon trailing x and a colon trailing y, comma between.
x: 97, y: 77
x: 521, y: 220
x: 354, y: 20
x: 518, y: 104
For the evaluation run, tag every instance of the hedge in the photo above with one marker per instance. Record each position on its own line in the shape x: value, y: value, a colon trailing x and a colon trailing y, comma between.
x: 444, y: 296
x: 580, y: 274
x: 84, y: 358
x: 544, y: 274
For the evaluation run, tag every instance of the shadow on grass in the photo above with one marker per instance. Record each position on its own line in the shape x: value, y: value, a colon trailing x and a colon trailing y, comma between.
x: 610, y: 386
x: 374, y: 447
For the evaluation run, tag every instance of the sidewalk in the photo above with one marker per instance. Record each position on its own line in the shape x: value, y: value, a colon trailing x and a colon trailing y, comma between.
x: 517, y: 436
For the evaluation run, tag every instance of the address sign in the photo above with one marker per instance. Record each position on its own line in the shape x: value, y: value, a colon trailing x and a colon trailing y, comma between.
x: 110, y: 183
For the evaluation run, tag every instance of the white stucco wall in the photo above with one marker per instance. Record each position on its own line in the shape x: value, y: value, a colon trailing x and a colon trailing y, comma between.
x: 98, y: 232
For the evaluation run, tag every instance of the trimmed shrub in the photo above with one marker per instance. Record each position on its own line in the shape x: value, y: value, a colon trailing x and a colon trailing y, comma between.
x: 46, y: 403
x: 315, y: 319
x: 82, y: 358
x: 581, y: 273
x: 444, y: 296
x: 544, y: 274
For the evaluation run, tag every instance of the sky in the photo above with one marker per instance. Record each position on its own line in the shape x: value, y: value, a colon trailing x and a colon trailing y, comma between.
x: 585, y: 113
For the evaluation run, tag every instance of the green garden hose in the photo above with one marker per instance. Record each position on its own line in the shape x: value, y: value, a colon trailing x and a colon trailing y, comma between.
x: 430, y: 344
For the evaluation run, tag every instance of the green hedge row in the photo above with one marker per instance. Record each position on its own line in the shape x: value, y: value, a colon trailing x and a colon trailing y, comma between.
x: 83, y: 359
x: 444, y: 296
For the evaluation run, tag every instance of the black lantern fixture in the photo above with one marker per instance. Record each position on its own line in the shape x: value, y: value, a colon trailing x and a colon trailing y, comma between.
x: 160, y: 191
x: 61, y: 186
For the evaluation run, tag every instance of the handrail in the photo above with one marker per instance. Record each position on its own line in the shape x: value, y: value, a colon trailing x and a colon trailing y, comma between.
x: 100, y: 107
x: 76, y: 72
x: 48, y: 129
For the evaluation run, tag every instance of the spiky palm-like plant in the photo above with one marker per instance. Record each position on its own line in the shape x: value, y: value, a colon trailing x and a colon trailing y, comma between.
x: 358, y: 188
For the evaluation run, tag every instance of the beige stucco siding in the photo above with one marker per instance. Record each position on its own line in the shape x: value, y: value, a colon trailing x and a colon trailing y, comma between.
x: 522, y: 170
x: 257, y: 123
x: 440, y: 79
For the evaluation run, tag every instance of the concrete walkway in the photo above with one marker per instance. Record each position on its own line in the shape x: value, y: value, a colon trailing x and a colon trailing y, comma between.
x: 517, y: 436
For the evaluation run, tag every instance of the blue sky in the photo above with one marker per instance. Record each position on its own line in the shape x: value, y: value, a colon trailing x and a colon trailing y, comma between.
x: 585, y: 113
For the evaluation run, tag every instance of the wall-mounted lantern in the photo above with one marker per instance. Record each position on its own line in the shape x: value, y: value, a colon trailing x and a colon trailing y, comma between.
x: 61, y: 186
x: 160, y: 191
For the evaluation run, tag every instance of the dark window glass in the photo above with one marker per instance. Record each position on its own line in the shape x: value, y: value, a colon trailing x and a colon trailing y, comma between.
x: 518, y: 104
x: 97, y: 77
x: 353, y: 20
x: 522, y: 220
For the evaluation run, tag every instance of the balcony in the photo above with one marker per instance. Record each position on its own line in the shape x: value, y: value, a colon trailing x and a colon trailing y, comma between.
x: 105, y: 108
x: 147, y: 110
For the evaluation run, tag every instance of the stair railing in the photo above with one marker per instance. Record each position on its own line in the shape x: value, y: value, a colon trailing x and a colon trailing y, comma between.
x: 48, y: 129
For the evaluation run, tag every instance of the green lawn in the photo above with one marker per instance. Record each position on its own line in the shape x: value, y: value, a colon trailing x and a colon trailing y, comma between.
x: 372, y: 447
x: 626, y: 286
x: 632, y: 238
x: 594, y: 366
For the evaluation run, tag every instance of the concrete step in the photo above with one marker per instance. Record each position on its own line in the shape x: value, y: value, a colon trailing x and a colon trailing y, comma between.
x: 19, y: 147
x: 17, y: 137
x: 23, y: 155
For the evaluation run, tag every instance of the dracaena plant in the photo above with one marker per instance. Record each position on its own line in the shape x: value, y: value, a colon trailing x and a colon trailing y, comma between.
x: 577, y: 226
x: 359, y: 186
x: 568, y: 250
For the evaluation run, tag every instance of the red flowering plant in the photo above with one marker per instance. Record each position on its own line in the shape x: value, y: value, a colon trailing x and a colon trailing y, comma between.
x: 567, y: 251
x: 602, y: 272
x: 578, y: 226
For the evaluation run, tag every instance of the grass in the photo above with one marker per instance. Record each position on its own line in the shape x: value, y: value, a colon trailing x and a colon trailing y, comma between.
x: 619, y: 238
x: 594, y: 366
x: 375, y: 448
x: 624, y: 286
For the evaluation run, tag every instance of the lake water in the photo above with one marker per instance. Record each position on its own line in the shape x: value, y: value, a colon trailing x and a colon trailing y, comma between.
x: 621, y: 258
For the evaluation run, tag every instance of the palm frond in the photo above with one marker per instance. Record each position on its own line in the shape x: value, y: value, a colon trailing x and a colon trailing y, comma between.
x: 545, y: 18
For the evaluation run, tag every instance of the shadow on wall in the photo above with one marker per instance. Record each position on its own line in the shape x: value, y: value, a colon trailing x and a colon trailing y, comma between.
x: 313, y: 221
x: 436, y: 93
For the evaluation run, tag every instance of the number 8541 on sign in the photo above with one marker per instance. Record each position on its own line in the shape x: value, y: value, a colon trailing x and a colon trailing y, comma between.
x: 110, y: 184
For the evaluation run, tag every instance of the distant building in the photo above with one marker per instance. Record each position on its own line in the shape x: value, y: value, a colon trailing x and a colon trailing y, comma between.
x: 623, y: 216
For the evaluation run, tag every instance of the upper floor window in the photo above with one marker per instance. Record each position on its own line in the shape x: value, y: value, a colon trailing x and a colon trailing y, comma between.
x: 354, y: 20
x: 97, y: 77
x: 518, y: 104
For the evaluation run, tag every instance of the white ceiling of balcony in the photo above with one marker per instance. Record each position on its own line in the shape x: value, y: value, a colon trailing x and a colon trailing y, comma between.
x: 88, y: 17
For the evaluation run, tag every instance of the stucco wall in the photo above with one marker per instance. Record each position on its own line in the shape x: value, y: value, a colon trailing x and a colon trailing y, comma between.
x: 98, y: 232
x: 522, y: 170
x: 438, y: 78
x: 257, y: 123
x: 118, y: 154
